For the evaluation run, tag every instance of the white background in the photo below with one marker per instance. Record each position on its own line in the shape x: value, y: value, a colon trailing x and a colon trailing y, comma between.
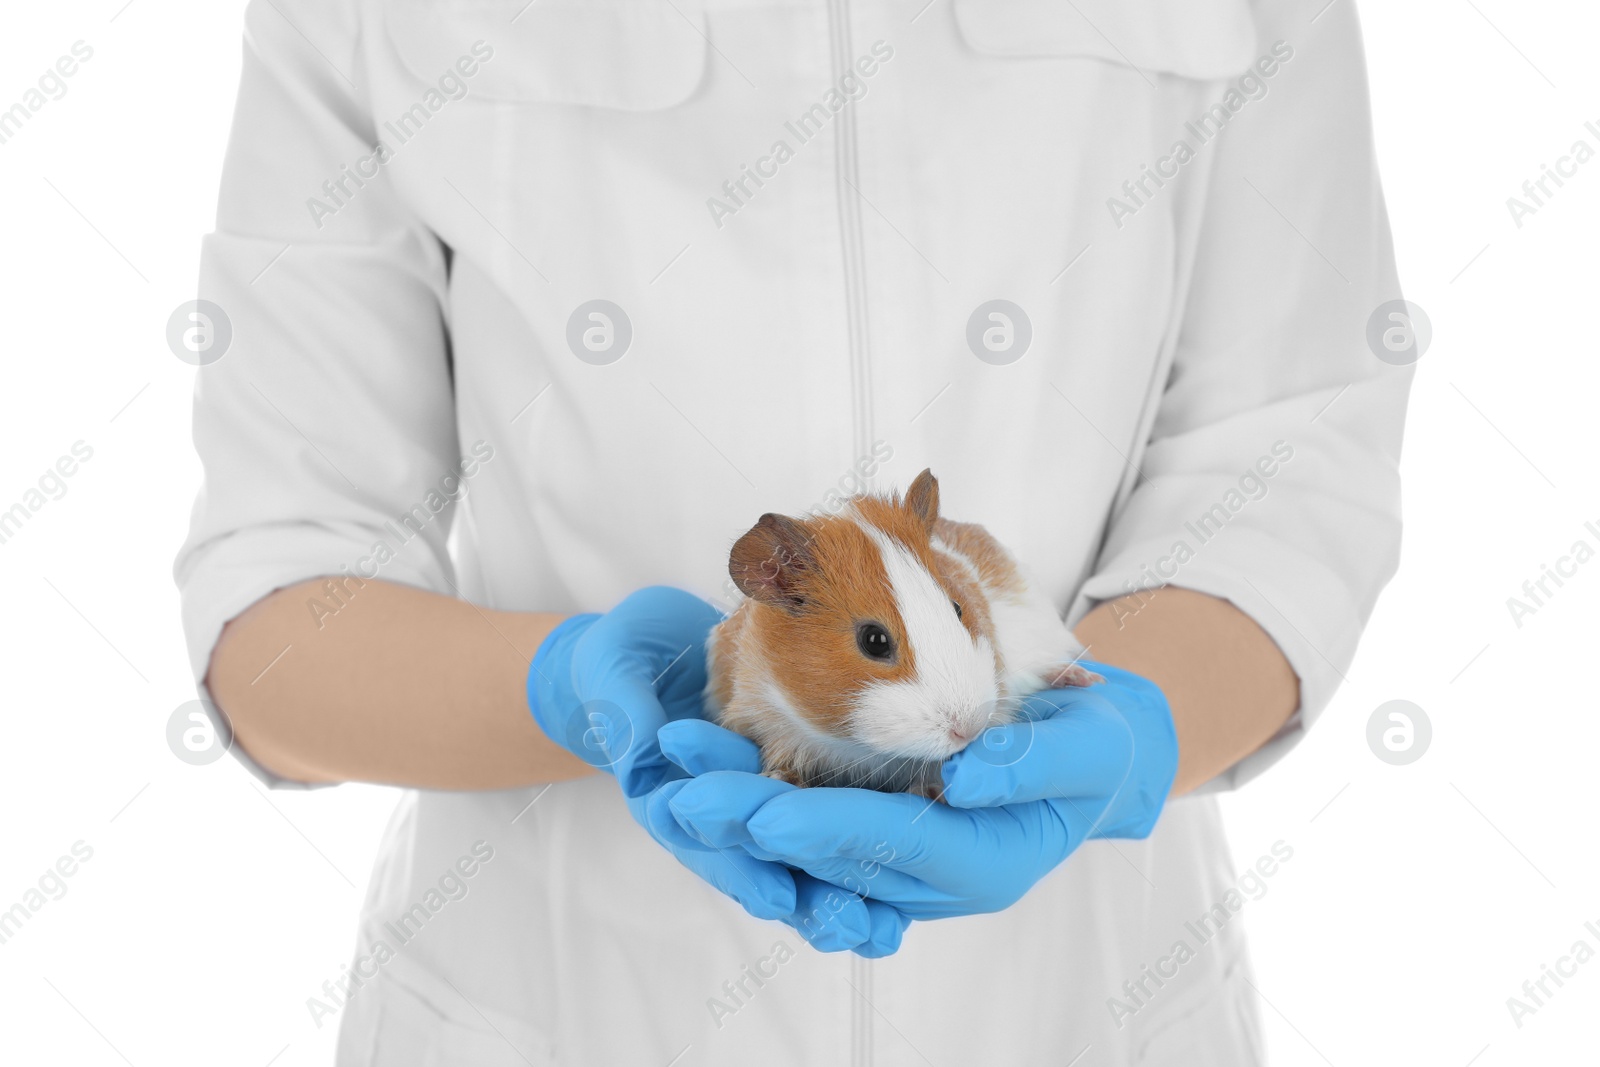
x: 1419, y: 897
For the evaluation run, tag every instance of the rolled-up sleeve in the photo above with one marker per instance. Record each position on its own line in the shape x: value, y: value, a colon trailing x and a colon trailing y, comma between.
x: 328, y: 422
x: 1273, y: 457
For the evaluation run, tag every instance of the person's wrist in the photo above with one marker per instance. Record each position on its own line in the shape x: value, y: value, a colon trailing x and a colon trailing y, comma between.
x: 551, y: 697
x: 1137, y: 805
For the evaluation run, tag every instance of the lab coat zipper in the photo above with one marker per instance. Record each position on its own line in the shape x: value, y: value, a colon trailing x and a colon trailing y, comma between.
x: 861, y: 1011
x: 846, y: 181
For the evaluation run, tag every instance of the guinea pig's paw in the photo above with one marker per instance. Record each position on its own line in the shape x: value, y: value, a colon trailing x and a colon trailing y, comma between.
x: 783, y: 774
x: 1072, y: 675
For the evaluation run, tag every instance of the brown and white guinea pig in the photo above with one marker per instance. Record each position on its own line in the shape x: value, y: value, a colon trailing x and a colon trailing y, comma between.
x: 879, y: 641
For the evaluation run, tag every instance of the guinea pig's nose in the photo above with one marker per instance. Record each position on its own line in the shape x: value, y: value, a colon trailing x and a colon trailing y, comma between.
x: 961, y: 735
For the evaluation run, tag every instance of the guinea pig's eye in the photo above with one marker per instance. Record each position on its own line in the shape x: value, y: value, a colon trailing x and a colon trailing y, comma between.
x: 957, y: 607
x: 874, y: 641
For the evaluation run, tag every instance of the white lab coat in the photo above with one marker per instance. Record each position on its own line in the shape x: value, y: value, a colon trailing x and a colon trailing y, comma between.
x: 401, y: 376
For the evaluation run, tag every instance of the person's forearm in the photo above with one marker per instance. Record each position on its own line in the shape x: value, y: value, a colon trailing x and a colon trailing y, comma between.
x: 399, y: 686
x: 407, y: 687
x: 1229, y: 686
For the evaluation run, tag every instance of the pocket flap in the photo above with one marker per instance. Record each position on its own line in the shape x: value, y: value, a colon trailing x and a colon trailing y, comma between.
x: 1191, y: 38
x: 633, y: 55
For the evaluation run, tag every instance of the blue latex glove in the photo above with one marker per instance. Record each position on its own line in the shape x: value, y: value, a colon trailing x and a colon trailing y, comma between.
x: 827, y: 918
x: 603, y: 686
x: 1085, y: 763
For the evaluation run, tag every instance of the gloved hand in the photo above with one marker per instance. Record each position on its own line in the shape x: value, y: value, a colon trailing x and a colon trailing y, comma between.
x: 1084, y: 763
x: 603, y: 686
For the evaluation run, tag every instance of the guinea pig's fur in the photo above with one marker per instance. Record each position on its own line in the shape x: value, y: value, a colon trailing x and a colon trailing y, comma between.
x: 968, y: 636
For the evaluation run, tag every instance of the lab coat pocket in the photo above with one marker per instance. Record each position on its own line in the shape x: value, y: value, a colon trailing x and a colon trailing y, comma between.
x: 573, y: 140
x: 420, y: 1021
x: 621, y: 54
x: 1200, y: 39
x: 1213, y: 1025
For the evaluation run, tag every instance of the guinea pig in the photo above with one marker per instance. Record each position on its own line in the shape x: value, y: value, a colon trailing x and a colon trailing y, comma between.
x: 877, y: 642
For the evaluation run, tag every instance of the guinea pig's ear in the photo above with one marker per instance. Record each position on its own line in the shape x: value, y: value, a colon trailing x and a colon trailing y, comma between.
x: 922, y: 499
x: 771, y: 562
